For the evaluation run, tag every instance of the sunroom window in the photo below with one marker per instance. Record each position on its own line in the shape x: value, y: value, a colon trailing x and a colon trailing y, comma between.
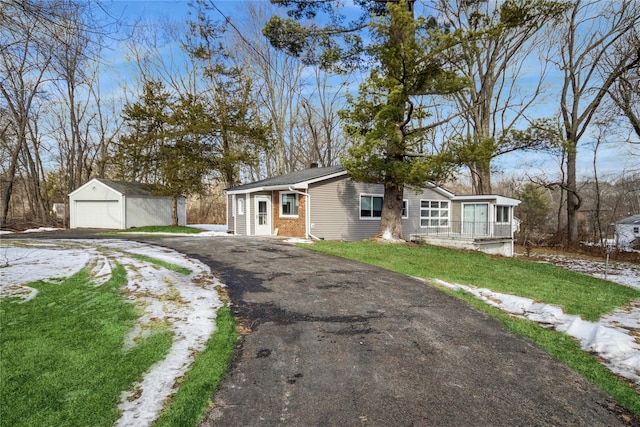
x: 434, y: 213
x: 502, y: 214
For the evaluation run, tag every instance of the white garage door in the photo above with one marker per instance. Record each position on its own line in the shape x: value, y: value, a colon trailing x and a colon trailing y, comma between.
x: 98, y: 214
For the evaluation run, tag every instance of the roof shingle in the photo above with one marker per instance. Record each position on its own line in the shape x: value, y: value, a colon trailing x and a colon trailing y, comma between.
x: 292, y: 178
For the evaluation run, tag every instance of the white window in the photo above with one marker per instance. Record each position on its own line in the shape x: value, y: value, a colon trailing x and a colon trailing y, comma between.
x: 240, y: 206
x: 370, y: 206
x: 288, y: 204
x: 502, y: 214
x: 434, y: 213
x: 405, y: 209
x: 636, y: 230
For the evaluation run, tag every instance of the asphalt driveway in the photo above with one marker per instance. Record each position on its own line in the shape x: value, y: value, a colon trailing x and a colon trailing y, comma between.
x: 333, y: 342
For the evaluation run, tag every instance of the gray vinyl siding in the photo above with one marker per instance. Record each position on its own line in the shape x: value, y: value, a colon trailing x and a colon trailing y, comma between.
x: 335, y: 209
x: 143, y: 211
x: 237, y: 222
x: 456, y: 212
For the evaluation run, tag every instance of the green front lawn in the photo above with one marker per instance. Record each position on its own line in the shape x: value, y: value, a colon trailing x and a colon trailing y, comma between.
x: 61, y: 356
x: 62, y: 361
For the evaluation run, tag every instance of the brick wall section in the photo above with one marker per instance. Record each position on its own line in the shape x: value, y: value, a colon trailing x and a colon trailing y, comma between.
x: 290, y: 227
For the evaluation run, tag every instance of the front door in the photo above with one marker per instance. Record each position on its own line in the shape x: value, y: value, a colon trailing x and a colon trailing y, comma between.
x: 263, y: 215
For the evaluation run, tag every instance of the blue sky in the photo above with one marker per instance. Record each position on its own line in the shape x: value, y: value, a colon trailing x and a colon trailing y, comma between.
x: 613, y: 158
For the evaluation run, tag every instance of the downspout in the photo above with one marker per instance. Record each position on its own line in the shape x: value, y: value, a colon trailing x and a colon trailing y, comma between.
x: 307, y: 213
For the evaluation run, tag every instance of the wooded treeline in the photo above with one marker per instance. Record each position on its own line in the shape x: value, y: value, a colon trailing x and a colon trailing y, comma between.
x: 208, y: 100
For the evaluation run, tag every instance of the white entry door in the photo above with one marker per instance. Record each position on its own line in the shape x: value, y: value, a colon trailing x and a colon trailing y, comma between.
x: 263, y: 215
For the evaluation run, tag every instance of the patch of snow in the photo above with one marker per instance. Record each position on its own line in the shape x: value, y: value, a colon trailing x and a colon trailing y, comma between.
x: 41, y: 229
x: 297, y: 240
x: 6, y: 232
x: 211, y: 230
x: 623, y: 273
x: 186, y: 304
x: 211, y: 227
x: 36, y: 261
x: 613, y: 337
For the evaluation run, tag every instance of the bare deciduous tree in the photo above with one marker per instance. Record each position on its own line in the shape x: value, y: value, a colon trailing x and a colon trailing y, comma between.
x: 624, y: 94
x: 500, y: 44
x: 325, y: 142
x: 24, y: 60
x: 278, y: 77
x: 591, y: 31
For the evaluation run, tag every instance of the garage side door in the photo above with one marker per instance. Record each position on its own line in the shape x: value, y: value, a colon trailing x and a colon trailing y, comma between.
x: 98, y: 214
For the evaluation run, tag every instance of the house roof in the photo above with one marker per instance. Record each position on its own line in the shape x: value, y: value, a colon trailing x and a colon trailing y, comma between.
x: 299, y: 179
x: 302, y: 179
x: 633, y: 219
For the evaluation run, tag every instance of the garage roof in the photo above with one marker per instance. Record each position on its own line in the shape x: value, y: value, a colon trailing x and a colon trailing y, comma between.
x: 133, y: 188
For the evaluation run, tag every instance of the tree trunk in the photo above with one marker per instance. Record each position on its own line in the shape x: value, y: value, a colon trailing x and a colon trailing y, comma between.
x: 391, y: 220
x: 174, y: 210
x: 8, y: 184
x: 573, y: 203
x: 481, y: 181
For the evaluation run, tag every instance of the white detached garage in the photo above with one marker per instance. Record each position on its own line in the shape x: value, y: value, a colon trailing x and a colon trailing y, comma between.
x: 103, y: 203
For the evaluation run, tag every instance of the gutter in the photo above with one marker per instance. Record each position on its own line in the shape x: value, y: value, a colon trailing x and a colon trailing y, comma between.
x: 307, y: 213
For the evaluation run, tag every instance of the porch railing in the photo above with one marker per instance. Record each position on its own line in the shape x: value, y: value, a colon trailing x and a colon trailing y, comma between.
x: 469, y: 229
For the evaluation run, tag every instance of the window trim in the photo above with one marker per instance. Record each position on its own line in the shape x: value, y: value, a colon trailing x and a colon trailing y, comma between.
x: 371, y: 195
x: 296, y: 206
x: 405, y: 208
x: 440, y: 218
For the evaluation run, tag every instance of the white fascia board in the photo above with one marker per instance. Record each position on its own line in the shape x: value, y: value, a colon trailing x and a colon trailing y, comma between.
x: 86, y: 184
x: 247, y: 191
x: 95, y: 181
x: 508, y: 201
x: 499, y: 200
x: 442, y: 191
x: 305, y: 184
x: 259, y: 189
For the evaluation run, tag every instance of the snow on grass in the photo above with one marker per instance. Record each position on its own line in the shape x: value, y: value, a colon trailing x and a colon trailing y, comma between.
x: 187, y: 305
x: 614, y: 337
x: 623, y: 273
x: 36, y: 262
